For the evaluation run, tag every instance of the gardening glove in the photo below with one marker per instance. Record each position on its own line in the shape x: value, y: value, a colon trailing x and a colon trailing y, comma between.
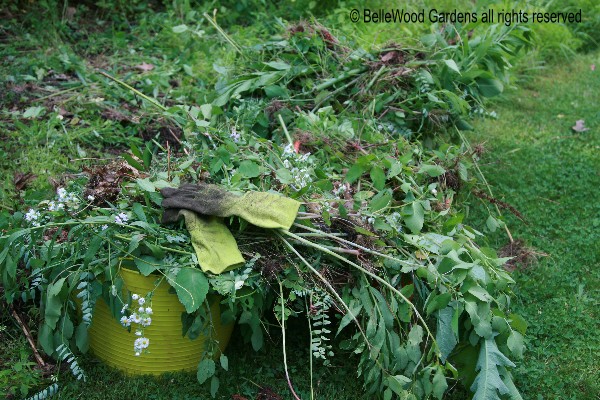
x: 266, y: 210
x: 215, y: 246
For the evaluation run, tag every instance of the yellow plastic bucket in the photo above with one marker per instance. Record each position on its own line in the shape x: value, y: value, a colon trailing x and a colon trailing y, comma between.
x: 169, y: 351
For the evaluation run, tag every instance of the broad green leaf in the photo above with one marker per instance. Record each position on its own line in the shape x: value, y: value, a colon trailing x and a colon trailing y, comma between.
x: 206, y: 369
x: 249, y: 169
x: 414, y: 216
x: 191, y: 286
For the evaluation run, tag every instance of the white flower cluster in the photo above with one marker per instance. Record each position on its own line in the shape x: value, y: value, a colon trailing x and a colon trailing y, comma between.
x: 140, y: 315
x: 298, y: 166
x: 33, y: 217
x: 121, y: 218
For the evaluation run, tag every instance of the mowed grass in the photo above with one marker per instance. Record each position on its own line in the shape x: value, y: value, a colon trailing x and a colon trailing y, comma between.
x: 552, y: 176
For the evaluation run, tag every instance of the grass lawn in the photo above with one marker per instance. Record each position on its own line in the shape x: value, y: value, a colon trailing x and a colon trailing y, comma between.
x: 552, y: 176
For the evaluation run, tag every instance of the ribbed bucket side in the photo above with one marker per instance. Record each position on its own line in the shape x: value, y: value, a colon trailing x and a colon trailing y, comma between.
x: 169, y: 351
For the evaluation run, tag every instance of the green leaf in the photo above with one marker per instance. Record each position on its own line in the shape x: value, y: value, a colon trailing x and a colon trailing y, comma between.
x: 33, y: 112
x: 438, y: 302
x: 276, y: 91
x: 147, y: 264
x: 46, y: 339
x: 214, y: 386
x: 414, y: 216
x: 206, y: 369
x: 180, y: 28
x: 515, y: 344
x: 398, y: 383
x: 445, y: 336
x: 249, y: 169
x: 224, y: 362
x: 488, y: 384
x: 82, y: 338
x: 431, y: 170
x: 145, y: 185
x: 378, y: 178
x: 133, y: 162
x: 489, y: 87
x: 452, y: 65
x: 380, y: 200
x: 355, y: 172
x: 191, y: 286
x: 439, y: 384
x: 66, y: 327
x: 54, y: 303
x: 480, y: 293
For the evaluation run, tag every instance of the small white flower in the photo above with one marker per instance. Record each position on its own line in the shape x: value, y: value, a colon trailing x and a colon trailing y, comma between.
x: 32, y: 215
x: 91, y: 198
x: 146, y: 321
x: 135, y: 296
x: 239, y: 285
x: 141, y: 310
x: 113, y: 290
x: 289, y: 149
x: 124, y: 309
x: 144, y: 343
x: 371, y: 220
x: 137, y: 353
x: 62, y: 194
x: 141, y: 301
x: 138, y: 333
x: 104, y: 227
x: 124, y: 321
x: 234, y: 135
x: 121, y: 218
x: 149, y: 310
x: 135, y: 318
x: 434, y: 192
x: 60, y: 117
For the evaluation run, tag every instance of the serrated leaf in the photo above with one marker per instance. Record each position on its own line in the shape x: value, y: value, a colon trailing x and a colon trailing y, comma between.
x: 354, y: 173
x: 438, y: 302
x: 488, y: 384
x: 380, y: 201
x: 145, y: 185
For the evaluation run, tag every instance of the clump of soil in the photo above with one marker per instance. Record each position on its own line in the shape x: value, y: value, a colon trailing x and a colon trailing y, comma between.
x: 523, y: 256
x: 266, y: 393
x: 104, y: 182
